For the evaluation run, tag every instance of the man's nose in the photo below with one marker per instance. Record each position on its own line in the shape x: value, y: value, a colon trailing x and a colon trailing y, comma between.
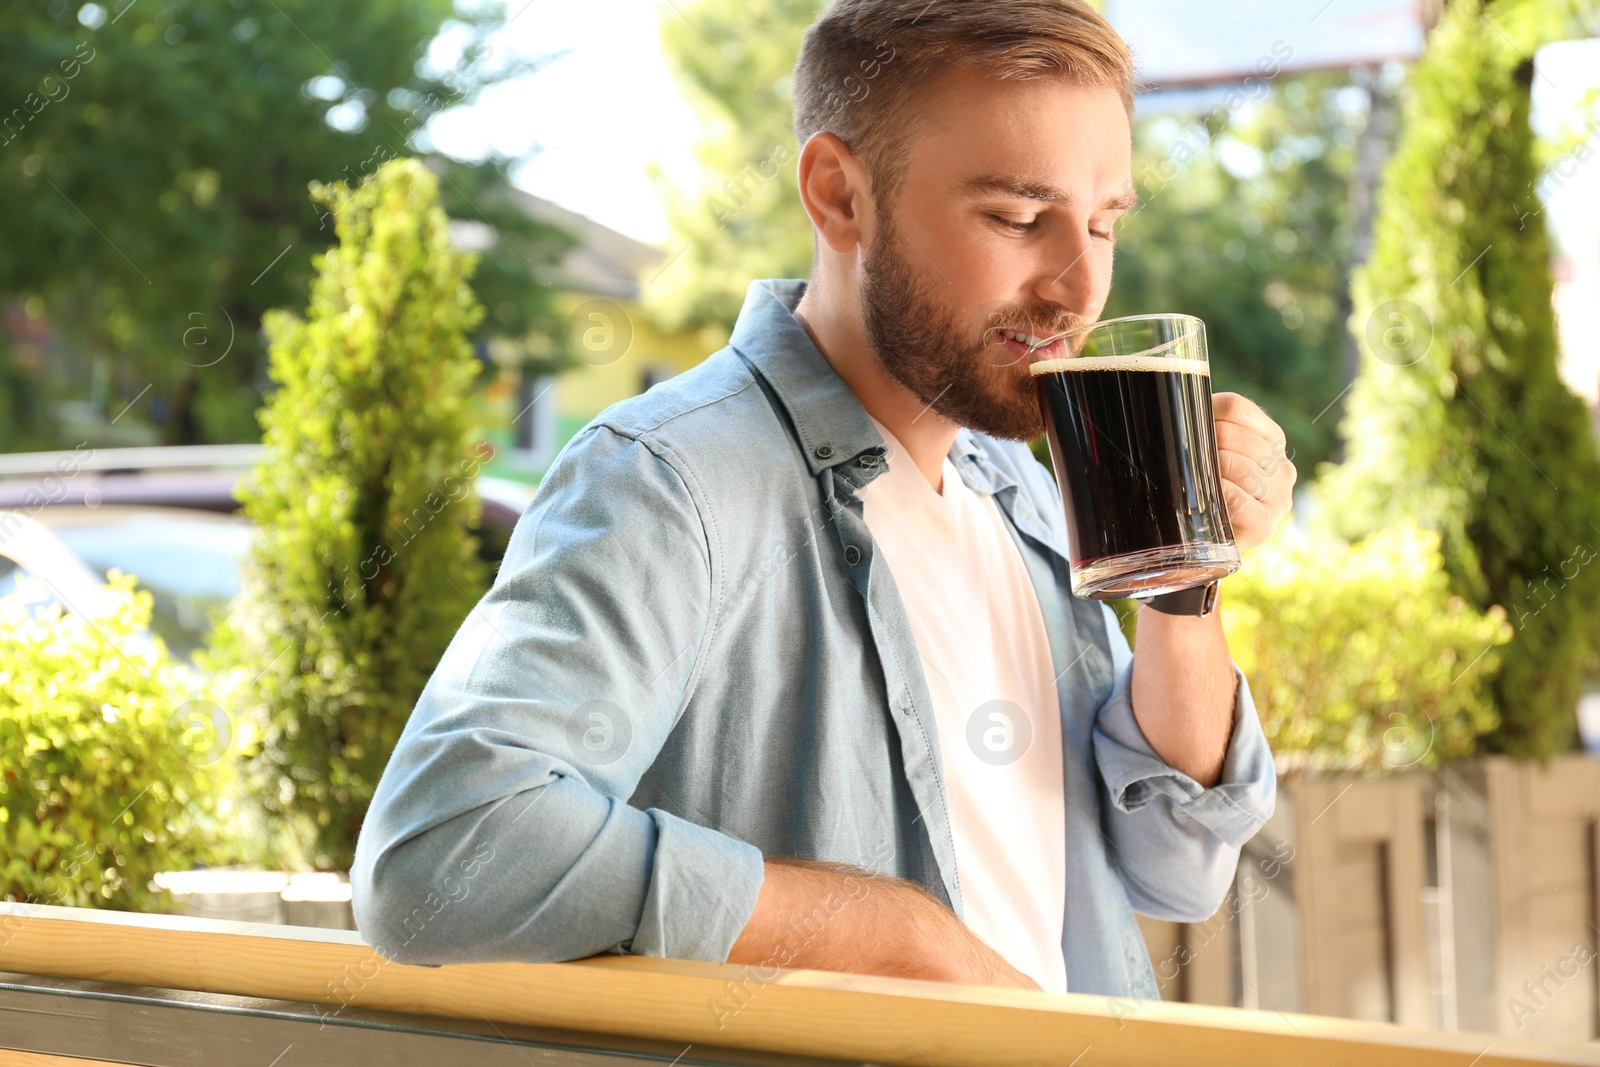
x: 1074, y: 283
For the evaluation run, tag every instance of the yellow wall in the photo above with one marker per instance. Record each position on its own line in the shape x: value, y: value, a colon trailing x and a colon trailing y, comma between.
x: 615, y: 342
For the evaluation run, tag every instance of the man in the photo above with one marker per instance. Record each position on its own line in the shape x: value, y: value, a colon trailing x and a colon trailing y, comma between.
x: 782, y: 666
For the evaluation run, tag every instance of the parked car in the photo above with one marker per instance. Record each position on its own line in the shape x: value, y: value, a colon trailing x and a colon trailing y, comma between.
x: 188, y: 560
x: 29, y: 550
x: 170, y: 517
x: 202, y: 477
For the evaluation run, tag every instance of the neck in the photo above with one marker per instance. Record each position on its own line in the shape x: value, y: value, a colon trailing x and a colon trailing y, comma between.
x: 839, y: 332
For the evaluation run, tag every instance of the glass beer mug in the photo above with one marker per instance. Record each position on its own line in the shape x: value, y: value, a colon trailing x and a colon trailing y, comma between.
x: 1127, y: 410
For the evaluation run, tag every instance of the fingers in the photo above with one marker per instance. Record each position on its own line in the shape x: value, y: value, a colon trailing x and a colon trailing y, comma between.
x: 1246, y: 441
x: 1257, y: 496
x: 1257, y: 476
x: 1251, y: 448
x: 1245, y: 513
x: 1231, y: 408
x: 1241, y: 472
x: 1257, y: 473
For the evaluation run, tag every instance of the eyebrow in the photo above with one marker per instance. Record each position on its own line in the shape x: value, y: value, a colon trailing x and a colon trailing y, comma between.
x: 1028, y: 189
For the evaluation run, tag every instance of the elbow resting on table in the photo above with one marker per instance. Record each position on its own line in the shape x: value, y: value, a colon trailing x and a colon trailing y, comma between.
x: 407, y: 918
x: 421, y: 902
x: 493, y: 883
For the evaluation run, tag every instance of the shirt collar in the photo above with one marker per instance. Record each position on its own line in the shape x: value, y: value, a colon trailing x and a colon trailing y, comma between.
x: 830, y: 422
x: 976, y: 469
x: 833, y: 427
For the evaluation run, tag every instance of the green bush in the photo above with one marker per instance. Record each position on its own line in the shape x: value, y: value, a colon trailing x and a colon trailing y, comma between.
x: 363, y: 567
x: 114, y: 761
x: 1358, y: 655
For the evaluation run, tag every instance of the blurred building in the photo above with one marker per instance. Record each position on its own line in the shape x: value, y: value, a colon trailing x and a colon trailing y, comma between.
x: 1565, y: 114
x: 1192, y: 43
x: 1577, y: 299
x: 615, y: 348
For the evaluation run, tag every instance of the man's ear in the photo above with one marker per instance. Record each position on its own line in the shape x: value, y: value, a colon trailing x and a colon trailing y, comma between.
x: 835, y: 190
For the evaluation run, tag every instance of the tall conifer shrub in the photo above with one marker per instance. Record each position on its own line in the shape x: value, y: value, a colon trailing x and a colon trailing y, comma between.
x: 1458, y: 418
x: 363, y: 567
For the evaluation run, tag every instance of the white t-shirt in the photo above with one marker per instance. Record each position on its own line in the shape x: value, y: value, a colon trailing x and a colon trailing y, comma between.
x: 981, y: 636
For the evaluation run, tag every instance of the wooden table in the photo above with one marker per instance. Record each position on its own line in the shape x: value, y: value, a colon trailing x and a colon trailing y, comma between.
x: 85, y: 986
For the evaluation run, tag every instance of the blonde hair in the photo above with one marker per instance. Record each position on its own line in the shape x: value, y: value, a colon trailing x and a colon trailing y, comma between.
x: 864, y: 64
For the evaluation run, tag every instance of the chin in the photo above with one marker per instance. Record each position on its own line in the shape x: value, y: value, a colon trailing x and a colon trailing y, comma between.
x: 1005, y: 422
x: 1014, y: 417
x: 1013, y: 431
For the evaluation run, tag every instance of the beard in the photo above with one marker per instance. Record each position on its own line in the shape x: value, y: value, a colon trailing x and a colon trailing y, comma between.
x: 976, y: 383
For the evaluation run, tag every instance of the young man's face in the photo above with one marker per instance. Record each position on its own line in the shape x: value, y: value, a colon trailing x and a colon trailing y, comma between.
x: 1002, y: 221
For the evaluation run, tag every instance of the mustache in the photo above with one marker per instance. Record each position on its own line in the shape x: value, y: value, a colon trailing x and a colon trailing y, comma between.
x: 1040, y: 324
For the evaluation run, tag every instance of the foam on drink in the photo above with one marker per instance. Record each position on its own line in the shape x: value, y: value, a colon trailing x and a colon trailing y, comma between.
x: 1134, y: 449
x: 1162, y: 364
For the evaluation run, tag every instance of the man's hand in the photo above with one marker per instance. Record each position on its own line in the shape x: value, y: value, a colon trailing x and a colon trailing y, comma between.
x: 1183, y: 681
x: 1257, y: 477
x: 832, y: 917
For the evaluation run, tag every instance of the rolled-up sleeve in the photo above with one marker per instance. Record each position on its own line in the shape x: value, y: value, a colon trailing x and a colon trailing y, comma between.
x: 501, y: 828
x: 1175, y: 841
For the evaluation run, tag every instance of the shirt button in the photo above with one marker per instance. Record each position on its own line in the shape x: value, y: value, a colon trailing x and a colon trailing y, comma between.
x: 868, y: 461
x: 824, y: 451
x: 852, y: 555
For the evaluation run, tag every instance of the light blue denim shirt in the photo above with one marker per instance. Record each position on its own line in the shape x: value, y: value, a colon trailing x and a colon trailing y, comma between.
x: 693, y: 656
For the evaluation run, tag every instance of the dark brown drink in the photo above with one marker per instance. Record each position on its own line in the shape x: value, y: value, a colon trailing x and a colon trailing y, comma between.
x: 1135, y: 455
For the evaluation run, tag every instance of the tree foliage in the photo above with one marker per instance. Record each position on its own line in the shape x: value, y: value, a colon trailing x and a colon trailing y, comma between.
x: 154, y: 160
x: 746, y: 220
x: 113, y: 763
x: 1261, y: 256
x: 1459, y: 420
x: 363, y: 567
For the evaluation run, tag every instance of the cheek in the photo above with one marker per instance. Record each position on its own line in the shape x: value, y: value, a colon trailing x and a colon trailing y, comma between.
x: 990, y: 268
x: 1103, y: 264
x: 986, y: 285
x: 986, y: 271
x: 962, y: 250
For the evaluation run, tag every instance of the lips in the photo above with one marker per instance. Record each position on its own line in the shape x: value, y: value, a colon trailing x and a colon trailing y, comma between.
x: 1019, y: 344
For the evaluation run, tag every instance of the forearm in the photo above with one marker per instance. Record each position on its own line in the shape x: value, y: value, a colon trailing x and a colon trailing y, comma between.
x: 1183, y: 691
x: 822, y: 916
x: 834, y: 917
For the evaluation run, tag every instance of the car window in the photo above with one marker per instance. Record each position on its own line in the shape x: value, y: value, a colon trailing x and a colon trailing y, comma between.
x: 11, y: 573
x: 191, y: 569
x: 15, y: 579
